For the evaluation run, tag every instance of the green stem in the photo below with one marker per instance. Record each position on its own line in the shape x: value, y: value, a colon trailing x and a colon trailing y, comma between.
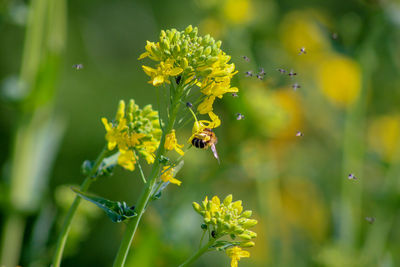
x: 200, y: 252
x: 62, y: 238
x: 148, y: 189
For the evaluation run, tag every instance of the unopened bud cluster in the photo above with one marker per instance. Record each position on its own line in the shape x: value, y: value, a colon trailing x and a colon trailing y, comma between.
x: 192, y: 60
x: 133, y: 130
x: 227, y: 218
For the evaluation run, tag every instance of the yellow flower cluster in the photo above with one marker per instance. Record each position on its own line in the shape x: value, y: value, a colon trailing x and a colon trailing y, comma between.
x: 227, y: 218
x: 136, y: 131
x: 197, y: 60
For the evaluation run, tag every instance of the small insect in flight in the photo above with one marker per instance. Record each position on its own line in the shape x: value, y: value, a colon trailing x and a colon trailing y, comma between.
x: 246, y: 58
x: 334, y: 36
x: 239, y: 116
x: 296, y: 86
x: 206, y: 139
x: 351, y: 177
x: 299, y: 134
x: 260, y: 77
x: 281, y: 70
x: 234, y: 94
x: 302, y: 51
x: 262, y: 72
x: 371, y: 220
x: 291, y: 73
x: 249, y: 73
x: 78, y: 66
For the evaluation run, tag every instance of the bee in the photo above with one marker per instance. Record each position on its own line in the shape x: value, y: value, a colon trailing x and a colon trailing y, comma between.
x: 206, y: 139
x: 78, y: 66
x: 302, y: 51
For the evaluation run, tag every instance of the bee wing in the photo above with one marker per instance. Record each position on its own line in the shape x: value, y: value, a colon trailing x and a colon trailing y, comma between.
x: 214, y: 150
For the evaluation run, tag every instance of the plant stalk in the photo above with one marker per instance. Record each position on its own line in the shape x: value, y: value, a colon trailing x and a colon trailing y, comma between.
x: 200, y: 252
x: 148, y: 188
x: 62, y: 238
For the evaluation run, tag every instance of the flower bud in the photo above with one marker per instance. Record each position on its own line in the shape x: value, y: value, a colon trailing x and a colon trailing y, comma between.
x: 249, y: 223
x: 237, y: 229
x: 228, y: 200
x: 196, y: 207
x: 188, y: 29
x: 248, y: 244
x: 207, y: 51
x: 247, y: 214
x: 245, y: 236
x: 121, y: 110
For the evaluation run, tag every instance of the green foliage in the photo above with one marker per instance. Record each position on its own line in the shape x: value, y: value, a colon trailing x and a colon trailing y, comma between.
x: 115, y: 210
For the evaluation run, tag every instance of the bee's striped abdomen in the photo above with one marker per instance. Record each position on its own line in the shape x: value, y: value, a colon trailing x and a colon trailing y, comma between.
x: 198, y: 143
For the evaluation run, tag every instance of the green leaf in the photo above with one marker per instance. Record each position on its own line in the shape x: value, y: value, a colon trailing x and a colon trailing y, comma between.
x: 115, y: 210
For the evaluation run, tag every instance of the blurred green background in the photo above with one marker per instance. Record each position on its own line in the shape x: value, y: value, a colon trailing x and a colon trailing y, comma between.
x: 309, y: 212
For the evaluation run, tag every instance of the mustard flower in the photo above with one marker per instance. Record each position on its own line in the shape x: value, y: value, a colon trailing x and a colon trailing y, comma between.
x: 171, y: 143
x: 127, y: 159
x: 134, y: 130
x: 162, y: 73
x: 227, y: 218
x: 168, y: 176
x: 235, y: 253
x: 194, y: 61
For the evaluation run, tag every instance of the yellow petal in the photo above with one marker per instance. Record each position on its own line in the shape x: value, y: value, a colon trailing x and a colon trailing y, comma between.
x: 158, y: 80
x: 143, y: 55
x: 149, y: 71
x: 175, y: 71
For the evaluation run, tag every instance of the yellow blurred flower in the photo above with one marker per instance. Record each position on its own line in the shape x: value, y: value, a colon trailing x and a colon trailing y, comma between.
x: 168, y: 176
x: 303, y: 29
x: 237, y: 11
x: 384, y: 134
x: 278, y: 113
x: 171, y: 143
x: 235, y: 253
x: 303, y: 208
x: 339, y: 78
x: 213, y: 27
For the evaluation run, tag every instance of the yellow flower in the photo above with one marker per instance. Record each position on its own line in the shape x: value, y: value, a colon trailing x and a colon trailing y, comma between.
x: 127, y: 159
x: 162, y: 73
x: 339, y: 78
x: 171, y: 143
x: 384, y: 135
x: 168, y: 176
x: 303, y: 29
x: 134, y: 130
x: 114, y: 134
x: 227, y: 218
x: 237, y: 11
x: 235, y: 253
x: 206, y: 105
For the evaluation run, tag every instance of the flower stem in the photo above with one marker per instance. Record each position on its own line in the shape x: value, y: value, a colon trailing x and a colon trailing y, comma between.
x: 199, y: 252
x: 62, y: 238
x: 148, y: 188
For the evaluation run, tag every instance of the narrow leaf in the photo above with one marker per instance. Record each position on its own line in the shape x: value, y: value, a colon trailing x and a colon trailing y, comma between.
x: 115, y: 210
